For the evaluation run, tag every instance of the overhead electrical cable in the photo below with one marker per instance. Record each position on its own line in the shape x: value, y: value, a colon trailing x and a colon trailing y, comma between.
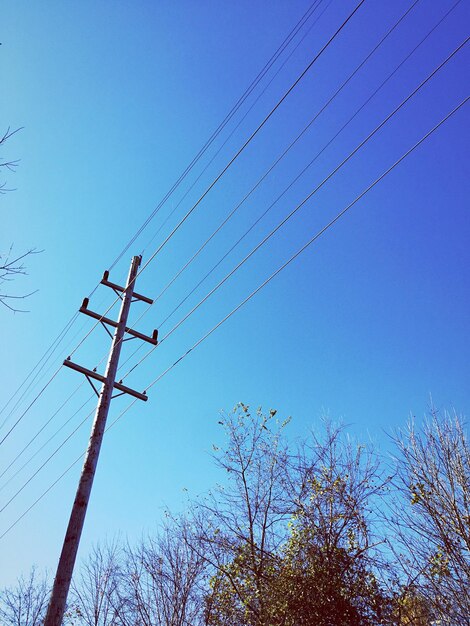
x: 43, y: 465
x: 314, y: 6
x: 343, y: 127
x: 224, y: 144
x: 41, y: 429
x: 253, y: 135
x: 452, y: 8
x: 253, y: 293
x: 305, y: 200
x: 303, y: 20
x: 37, y: 378
x: 33, y: 456
x: 103, y: 358
x: 77, y: 460
x: 285, y: 152
x: 232, y: 160
x: 318, y: 154
x: 36, y: 398
x: 57, y: 339
x: 312, y: 240
x: 225, y: 169
x: 18, y: 456
x: 217, y: 153
x: 49, y: 419
x: 232, y: 132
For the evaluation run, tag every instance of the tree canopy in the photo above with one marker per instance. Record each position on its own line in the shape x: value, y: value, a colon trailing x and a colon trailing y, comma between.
x: 325, y: 532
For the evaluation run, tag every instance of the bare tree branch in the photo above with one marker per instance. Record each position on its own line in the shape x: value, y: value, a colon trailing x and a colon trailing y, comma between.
x: 25, y: 604
x: 11, y: 268
x: 8, y: 165
x: 431, y: 514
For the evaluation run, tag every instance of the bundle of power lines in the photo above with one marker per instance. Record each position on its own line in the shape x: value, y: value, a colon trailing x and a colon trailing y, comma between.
x: 40, y: 378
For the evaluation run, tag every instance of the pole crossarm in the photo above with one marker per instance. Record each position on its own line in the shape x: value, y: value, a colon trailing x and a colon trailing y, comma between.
x: 136, y: 296
x: 91, y: 374
x: 106, y: 320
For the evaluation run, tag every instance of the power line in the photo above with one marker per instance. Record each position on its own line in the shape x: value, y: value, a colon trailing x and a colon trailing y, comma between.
x: 149, y: 260
x: 207, y: 166
x: 262, y: 92
x: 49, y: 458
x: 46, y: 424
x: 36, y: 398
x: 343, y: 127
x: 253, y: 293
x: 305, y: 200
x: 313, y: 7
x: 42, y: 496
x: 213, y: 183
x: 92, y: 329
x: 232, y: 160
x: 20, y: 454
x: 216, y: 154
x: 52, y: 348
x: 44, y: 361
x: 253, y: 134
x: 59, y: 337
x: 48, y: 421
x: 312, y: 240
x: 33, y: 402
x: 38, y: 380
x: 284, y: 153
x: 61, y: 476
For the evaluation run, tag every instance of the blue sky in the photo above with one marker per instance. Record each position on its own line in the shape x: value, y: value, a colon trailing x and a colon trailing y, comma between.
x: 115, y: 100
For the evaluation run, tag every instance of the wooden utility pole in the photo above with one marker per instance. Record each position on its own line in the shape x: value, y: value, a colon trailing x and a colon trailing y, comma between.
x: 57, y: 604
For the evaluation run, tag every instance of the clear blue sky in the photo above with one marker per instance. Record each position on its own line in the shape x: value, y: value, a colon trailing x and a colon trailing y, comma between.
x: 115, y: 100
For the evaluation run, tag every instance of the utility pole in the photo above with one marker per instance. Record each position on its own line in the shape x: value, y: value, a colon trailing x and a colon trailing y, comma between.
x: 57, y: 604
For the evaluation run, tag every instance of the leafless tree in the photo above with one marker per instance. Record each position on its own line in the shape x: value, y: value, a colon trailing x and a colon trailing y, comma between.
x: 156, y: 583
x: 431, y: 515
x: 95, y: 600
x: 11, y: 266
x: 5, y: 164
x: 25, y: 604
